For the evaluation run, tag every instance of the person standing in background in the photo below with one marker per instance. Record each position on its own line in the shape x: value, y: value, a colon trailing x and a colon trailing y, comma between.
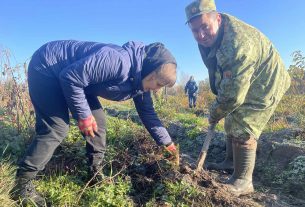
x: 191, y: 90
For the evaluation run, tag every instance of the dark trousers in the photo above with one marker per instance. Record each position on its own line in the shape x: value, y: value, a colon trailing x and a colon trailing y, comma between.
x: 192, y: 100
x: 52, y: 125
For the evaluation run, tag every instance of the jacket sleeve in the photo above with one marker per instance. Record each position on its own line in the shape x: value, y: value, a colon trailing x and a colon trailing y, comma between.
x: 89, y: 70
x: 149, y: 118
x: 233, y: 87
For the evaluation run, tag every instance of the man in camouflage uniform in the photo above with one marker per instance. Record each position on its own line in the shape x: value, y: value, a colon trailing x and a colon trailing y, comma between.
x: 249, y: 79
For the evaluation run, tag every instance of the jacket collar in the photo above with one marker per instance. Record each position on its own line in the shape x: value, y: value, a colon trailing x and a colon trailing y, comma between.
x: 136, y: 54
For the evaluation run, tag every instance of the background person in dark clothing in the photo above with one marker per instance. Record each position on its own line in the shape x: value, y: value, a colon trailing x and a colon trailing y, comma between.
x: 70, y: 75
x: 191, y: 89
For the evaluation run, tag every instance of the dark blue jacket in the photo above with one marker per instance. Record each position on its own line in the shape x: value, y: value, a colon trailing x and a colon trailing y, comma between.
x: 191, y: 87
x: 106, y: 70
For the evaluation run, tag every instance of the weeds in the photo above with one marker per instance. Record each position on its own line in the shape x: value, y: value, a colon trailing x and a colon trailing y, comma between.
x: 129, y: 144
x: 15, y: 101
x: 6, y: 182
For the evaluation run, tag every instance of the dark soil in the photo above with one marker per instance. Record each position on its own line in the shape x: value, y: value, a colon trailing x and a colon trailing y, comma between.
x: 275, y: 152
x: 147, y: 176
x: 144, y: 164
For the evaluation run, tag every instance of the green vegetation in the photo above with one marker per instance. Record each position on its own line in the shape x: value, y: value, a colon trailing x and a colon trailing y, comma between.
x: 64, y: 181
x: 6, y: 182
x: 65, y: 190
x: 179, y: 193
x: 290, y: 180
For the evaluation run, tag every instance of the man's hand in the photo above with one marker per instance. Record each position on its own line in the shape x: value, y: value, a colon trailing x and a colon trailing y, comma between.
x: 87, y: 126
x: 173, y: 154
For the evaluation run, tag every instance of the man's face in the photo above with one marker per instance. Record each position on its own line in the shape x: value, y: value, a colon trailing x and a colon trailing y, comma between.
x: 205, y: 28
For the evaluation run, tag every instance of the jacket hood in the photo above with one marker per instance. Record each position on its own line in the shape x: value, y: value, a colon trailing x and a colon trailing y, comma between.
x: 136, y: 51
x: 156, y: 54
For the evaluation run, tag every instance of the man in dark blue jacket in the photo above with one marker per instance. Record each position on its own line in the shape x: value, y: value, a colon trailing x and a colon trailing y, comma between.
x: 191, y: 89
x: 70, y: 75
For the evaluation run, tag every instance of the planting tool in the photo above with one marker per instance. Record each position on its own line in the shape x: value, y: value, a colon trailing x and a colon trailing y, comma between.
x: 205, y: 147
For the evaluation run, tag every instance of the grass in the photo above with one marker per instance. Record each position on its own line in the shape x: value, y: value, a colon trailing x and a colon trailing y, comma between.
x: 6, y: 182
x: 63, y: 186
x: 290, y: 113
x: 64, y: 181
x: 289, y: 180
x: 180, y: 194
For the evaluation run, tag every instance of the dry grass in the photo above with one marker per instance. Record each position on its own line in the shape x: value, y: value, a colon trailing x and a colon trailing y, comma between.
x: 6, y: 183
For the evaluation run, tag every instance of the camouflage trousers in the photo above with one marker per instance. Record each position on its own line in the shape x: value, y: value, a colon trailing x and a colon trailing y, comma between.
x: 244, y: 123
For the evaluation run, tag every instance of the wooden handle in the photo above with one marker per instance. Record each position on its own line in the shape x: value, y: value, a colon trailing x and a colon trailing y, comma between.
x: 205, y: 147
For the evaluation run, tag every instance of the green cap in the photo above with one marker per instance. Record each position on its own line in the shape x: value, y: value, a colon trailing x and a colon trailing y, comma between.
x: 199, y: 7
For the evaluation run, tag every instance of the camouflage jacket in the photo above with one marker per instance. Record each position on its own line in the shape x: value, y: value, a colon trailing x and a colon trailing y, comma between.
x: 247, y: 75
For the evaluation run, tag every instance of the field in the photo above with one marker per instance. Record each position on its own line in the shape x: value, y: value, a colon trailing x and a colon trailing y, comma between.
x: 135, y: 174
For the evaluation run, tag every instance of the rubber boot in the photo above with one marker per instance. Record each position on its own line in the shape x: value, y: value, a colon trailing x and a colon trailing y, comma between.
x: 244, y: 153
x: 227, y: 164
x: 24, y: 191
